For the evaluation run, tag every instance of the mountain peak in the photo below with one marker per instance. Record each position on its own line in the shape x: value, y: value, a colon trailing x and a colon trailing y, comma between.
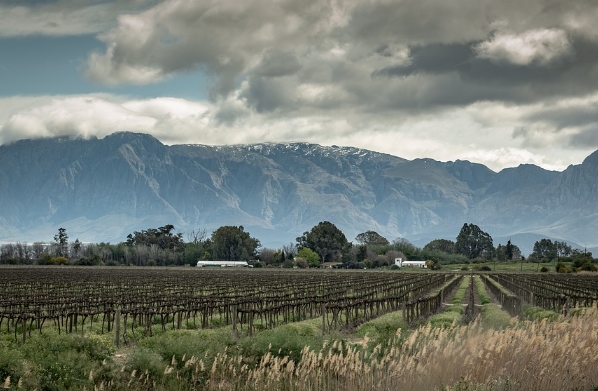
x: 103, y: 189
x: 592, y: 159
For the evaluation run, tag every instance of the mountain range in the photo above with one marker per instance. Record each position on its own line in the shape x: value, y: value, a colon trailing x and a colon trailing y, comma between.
x: 104, y: 189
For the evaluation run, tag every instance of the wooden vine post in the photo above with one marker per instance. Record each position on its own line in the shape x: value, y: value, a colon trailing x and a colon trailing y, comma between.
x: 117, y: 327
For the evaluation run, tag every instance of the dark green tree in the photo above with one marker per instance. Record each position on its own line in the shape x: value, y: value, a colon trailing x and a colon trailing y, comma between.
x: 372, y: 238
x: 444, y: 245
x: 326, y: 240
x: 232, y: 243
x: 544, y: 250
x: 473, y: 242
x: 509, y: 250
x: 61, y: 240
x: 76, y: 248
x: 500, y: 253
x: 563, y: 249
x: 163, y: 237
x: 583, y: 261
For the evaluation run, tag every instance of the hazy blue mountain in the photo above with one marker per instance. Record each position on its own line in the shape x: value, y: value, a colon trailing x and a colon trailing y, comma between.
x: 103, y: 189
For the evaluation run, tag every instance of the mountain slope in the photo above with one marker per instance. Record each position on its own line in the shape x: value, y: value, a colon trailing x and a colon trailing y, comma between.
x: 101, y: 190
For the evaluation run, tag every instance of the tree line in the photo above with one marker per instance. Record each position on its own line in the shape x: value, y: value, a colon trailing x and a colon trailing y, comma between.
x: 325, y: 244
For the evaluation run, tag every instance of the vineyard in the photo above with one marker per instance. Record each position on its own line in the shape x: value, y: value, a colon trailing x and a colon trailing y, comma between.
x: 130, y: 305
x: 72, y: 299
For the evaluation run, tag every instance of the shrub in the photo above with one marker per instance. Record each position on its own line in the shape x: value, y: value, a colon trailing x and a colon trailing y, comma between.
x: 286, y: 340
x: 538, y: 313
x: 544, y: 269
x: 143, y: 359
x: 10, y: 363
x: 383, y: 327
x: 59, y: 261
x: 562, y: 268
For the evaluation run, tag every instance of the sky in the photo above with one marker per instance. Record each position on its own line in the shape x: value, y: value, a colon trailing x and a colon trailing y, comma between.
x: 500, y: 83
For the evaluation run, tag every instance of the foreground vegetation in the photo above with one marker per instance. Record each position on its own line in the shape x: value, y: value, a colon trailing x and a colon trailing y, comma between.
x: 338, y: 330
x: 528, y: 355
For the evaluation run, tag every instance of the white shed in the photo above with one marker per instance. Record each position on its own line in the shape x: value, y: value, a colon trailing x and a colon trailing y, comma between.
x: 400, y: 262
x: 222, y: 264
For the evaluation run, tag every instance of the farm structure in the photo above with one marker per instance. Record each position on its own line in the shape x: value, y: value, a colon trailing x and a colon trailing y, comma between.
x: 222, y: 264
x: 400, y: 262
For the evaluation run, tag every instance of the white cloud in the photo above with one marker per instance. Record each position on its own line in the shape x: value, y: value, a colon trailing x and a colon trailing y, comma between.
x: 485, y: 132
x: 82, y: 116
x: 542, y: 47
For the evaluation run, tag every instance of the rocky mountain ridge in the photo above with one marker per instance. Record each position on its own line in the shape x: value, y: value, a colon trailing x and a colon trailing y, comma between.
x: 103, y: 189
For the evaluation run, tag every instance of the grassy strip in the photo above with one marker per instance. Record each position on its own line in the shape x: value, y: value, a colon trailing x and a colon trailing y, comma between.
x: 453, y: 313
x: 492, y: 315
x: 539, y: 313
x: 499, y: 286
x: 436, y: 291
x: 482, y: 292
x: 384, y: 326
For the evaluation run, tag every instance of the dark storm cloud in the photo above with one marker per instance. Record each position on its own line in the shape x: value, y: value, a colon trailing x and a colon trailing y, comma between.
x: 276, y: 63
x: 266, y: 94
x: 481, y: 79
x: 587, y: 138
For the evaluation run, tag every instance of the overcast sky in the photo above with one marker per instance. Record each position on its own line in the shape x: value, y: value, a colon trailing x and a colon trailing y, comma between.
x: 496, y: 82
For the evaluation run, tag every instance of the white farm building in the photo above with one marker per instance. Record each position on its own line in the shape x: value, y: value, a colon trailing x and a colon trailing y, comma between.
x: 405, y: 263
x: 222, y: 264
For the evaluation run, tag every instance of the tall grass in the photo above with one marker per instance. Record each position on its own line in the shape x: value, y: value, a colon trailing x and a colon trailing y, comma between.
x: 560, y: 355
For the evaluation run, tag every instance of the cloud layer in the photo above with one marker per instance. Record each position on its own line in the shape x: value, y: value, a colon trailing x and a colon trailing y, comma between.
x: 498, y: 82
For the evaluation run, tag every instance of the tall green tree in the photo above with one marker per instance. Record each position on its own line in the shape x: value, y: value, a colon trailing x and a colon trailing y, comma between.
x: 371, y: 238
x: 232, y: 243
x: 61, y: 240
x: 444, y: 245
x: 545, y: 250
x: 163, y: 237
x: 329, y: 242
x: 563, y: 249
x: 509, y: 250
x: 473, y: 242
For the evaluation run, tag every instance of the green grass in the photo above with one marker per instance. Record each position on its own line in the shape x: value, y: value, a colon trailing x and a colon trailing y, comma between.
x: 538, y: 313
x: 382, y: 327
x: 505, y: 266
x: 483, y: 295
x: 435, y: 291
x: 492, y: 315
x: 459, y: 296
x: 445, y: 319
x: 453, y: 313
x: 55, y: 362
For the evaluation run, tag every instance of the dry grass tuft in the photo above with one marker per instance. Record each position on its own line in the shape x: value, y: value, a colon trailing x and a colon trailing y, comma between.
x: 532, y: 355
